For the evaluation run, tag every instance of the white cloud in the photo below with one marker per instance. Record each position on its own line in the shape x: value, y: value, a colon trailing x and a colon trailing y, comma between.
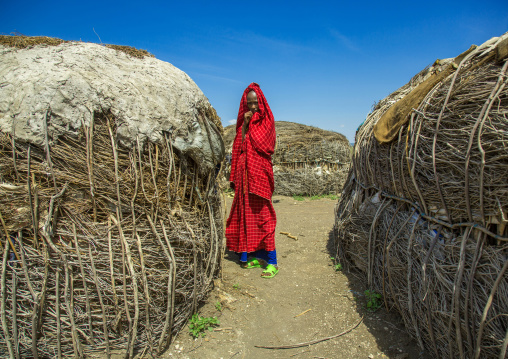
x: 344, y: 40
x: 232, y: 122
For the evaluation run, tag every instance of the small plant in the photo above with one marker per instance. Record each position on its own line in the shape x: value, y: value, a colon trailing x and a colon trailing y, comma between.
x: 218, y: 306
x: 329, y: 196
x: 374, y: 300
x: 298, y: 198
x: 337, y: 266
x: 199, y: 325
x: 236, y: 286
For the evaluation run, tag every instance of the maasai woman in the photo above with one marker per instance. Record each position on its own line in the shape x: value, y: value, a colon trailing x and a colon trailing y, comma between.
x: 250, y: 229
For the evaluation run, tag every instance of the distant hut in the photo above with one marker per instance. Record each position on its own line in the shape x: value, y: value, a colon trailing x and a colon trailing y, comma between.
x: 307, y: 160
x: 424, y: 211
x: 111, y: 225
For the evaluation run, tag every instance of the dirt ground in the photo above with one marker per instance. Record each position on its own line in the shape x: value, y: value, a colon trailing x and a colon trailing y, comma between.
x: 307, y: 300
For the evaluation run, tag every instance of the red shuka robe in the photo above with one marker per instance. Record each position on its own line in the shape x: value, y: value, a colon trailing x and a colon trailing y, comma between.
x: 251, y: 223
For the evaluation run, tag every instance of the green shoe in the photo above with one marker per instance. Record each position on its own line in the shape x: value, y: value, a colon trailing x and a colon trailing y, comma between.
x: 251, y: 263
x: 270, y: 271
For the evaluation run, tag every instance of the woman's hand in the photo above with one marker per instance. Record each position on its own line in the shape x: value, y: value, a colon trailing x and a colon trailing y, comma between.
x: 246, y: 119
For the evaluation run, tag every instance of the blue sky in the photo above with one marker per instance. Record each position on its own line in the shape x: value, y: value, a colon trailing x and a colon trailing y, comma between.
x: 320, y: 63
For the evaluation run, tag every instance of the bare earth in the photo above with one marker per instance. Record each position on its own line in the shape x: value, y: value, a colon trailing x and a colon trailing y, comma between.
x: 307, y: 300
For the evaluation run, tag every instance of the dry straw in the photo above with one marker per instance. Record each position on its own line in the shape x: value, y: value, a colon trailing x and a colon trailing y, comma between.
x: 307, y: 160
x: 116, y: 247
x: 424, y: 216
x: 22, y: 42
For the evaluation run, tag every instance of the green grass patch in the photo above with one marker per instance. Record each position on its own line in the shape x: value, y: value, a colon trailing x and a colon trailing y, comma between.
x: 218, y: 306
x: 329, y: 196
x: 198, y: 325
x: 374, y: 300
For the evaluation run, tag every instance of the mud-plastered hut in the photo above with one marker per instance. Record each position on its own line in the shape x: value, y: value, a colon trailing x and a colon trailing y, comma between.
x: 307, y: 161
x: 424, y: 211
x: 111, y: 222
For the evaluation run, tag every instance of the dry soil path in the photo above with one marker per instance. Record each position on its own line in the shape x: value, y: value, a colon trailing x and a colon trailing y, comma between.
x: 307, y: 300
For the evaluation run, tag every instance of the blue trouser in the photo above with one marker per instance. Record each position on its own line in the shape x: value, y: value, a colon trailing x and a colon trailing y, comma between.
x: 269, y: 257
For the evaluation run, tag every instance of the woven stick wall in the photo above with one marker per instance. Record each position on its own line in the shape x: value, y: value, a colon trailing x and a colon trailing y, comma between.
x: 108, y: 242
x: 307, y: 160
x: 423, y: 215
x: 113, y: 249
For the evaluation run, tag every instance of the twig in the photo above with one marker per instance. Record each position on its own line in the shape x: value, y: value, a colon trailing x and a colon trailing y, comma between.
x: 4, y: 295
x: 8, y: 238
x: 87, y: 299
x: 289, y: 235
x: 134, y: 331
x: 171, y: 288
x: 99, y: 294
x: 311, y: 342
x: 57, y: 309
x: 42, y: 295
x: 30, y: 200
x: 117, y: 178
x: 70, y: 310
x: 148, y: 327
x: 46, y: 145
x: 487, y: 308
x: 15, y: 333
x: 97, y: 35
x: 115, y: 323
x: 302, y: 313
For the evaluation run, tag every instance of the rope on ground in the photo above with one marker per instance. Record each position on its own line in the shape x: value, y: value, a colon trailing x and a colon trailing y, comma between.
x: 313, y: 341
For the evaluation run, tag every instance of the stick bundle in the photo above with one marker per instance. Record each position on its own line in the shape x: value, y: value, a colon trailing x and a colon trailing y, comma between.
x: 117, y: 247
x: 424, y: 217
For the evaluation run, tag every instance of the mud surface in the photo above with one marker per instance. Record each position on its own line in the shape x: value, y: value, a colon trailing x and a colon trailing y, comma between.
x: 308, y: 300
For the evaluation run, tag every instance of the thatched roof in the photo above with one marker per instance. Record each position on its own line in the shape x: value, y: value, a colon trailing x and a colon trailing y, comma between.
x: 291, y: 132
x: 298, y: 143
x: 22, y: 42
x: 307, y: 160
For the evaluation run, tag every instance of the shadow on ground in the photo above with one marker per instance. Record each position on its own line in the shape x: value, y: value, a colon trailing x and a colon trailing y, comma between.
x: 384, y: 323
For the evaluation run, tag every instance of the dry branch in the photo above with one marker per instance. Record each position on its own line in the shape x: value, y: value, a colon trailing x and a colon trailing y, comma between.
x: 115, y: 269
x: 424, y: 216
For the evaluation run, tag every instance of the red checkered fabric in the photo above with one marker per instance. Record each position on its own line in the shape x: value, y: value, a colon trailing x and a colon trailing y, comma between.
x: 251, y: 223
x: 258, y: 145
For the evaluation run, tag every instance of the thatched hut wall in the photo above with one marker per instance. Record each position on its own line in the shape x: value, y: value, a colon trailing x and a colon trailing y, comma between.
x: 111, y: 220
x: 424, y: 211
x: 307, y: 160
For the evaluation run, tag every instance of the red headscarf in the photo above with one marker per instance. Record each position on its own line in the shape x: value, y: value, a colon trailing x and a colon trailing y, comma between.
x: 264, y: 109
x: 263, y: 118
x: 258, y: 145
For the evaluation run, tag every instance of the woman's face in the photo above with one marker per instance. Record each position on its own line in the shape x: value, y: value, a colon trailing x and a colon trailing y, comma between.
x: 252, y: 102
